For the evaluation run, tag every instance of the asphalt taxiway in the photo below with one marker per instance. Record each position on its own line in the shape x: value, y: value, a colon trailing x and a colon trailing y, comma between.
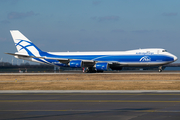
x: 128, y: 105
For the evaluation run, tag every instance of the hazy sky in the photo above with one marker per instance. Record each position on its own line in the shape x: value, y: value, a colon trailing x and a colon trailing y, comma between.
x: 91, y: 25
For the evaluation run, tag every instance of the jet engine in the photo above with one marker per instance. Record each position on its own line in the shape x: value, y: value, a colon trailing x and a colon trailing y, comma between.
x: 75, y: 63
x: 102, y: 66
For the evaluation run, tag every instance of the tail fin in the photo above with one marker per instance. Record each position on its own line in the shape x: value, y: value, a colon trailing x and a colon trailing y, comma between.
x: 24, y: 45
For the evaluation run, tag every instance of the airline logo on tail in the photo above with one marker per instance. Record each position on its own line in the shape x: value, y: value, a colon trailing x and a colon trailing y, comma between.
x: 24, y: 45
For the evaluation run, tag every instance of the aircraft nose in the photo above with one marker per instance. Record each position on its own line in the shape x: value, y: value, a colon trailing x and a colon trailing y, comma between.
x: 175, y: 58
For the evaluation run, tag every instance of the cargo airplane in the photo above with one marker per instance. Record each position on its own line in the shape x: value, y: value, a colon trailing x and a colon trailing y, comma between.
x: 92, y: 61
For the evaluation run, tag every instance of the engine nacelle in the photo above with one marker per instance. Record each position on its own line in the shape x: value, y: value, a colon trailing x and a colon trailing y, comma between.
x: 102, y: 66
x: 75, y: 63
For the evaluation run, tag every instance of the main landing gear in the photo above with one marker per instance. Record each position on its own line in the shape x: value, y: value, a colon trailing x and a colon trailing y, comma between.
x: 91, y: 70
x: 160, y: 68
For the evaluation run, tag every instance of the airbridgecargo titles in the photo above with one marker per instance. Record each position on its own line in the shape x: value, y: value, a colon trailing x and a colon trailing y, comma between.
x: 92, y: 61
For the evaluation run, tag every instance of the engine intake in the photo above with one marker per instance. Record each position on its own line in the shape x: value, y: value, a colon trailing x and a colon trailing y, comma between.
x: 102, y: 66
x: 75, y: 63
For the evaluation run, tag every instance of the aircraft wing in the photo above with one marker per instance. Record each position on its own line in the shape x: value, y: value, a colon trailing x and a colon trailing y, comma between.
x: 66, y: 61
x: 62, y: 60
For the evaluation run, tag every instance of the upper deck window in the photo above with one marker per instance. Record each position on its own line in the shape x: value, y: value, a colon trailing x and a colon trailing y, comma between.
x: 164, y: 50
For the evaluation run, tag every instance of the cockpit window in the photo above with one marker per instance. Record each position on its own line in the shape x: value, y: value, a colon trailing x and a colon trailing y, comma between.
x: 164, y: 50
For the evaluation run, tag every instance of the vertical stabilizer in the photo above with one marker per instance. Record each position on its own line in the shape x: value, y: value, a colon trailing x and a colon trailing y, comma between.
x: 24, y: 45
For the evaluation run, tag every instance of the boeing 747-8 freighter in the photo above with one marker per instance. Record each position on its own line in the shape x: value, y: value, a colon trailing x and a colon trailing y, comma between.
x: 92, y: 61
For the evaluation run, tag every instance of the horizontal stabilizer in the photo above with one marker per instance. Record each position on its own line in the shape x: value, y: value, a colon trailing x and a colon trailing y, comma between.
x: 20, y: 55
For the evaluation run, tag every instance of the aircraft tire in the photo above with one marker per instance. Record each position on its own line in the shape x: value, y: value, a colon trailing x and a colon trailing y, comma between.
x: 160, y: 70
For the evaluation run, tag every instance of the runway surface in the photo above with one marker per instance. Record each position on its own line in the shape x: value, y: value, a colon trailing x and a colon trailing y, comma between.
x: 80, y: 72
x: 99, y: 106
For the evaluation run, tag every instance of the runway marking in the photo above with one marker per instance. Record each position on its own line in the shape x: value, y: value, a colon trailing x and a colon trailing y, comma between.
x: 86, y: 111
x: 91, y: 101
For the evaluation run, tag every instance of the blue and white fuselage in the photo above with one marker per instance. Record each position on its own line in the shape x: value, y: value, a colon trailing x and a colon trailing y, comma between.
x: 98, y: 61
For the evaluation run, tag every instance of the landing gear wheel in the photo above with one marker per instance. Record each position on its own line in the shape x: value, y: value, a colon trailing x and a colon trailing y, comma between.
x: 86, y: 70
x: 90, y: 70
x: 160, y: 68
